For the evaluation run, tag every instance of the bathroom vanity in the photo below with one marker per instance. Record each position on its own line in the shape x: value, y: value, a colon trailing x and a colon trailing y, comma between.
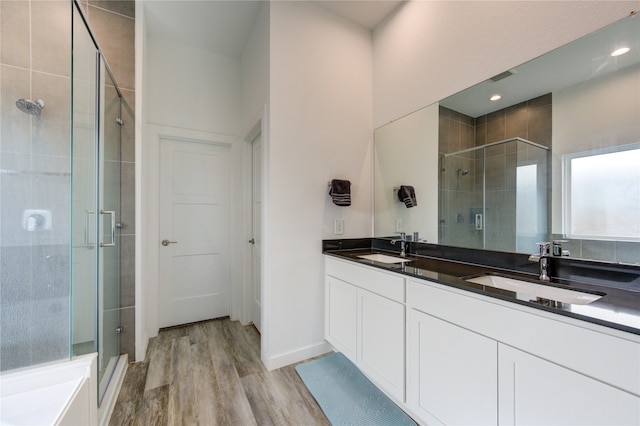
x: 453, y: 351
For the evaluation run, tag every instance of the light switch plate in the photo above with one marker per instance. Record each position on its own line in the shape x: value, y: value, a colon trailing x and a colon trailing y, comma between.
x: 399, y: 225
x: 338, y: 227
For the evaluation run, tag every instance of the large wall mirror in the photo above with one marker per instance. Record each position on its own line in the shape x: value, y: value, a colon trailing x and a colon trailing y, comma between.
x: 548, y: 150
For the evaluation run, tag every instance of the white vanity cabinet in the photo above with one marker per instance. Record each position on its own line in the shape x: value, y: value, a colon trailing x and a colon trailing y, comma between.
x: 549, y: 370
x: 380, y: 352
x: 451, y: 372
x: 534, y: 391
x: 365, y: 320
x: 475, y: 359
x: 340, y: 319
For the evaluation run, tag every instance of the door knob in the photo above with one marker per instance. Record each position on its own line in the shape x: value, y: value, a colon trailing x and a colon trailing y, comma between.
x: 252, y: 241
x: 167, y: 242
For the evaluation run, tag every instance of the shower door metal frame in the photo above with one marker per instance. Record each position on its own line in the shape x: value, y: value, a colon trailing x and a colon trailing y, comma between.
x: 94, y: 223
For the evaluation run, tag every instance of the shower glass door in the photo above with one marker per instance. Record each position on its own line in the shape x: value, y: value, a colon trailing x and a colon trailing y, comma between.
x: 95, y: 206
x: 461, y: 209
x: 84, y: 176
x: 108, y: 223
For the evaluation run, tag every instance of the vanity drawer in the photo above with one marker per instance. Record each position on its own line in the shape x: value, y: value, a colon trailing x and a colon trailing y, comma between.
x: 385, y: 284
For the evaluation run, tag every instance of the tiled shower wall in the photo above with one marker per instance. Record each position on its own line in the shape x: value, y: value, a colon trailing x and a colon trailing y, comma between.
x: 458, y: 195
x: 113, y: 25
x: 35, y: 51
x: 461, y: 195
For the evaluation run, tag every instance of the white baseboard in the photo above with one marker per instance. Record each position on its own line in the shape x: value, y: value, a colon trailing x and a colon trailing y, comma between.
x: 282, y: 360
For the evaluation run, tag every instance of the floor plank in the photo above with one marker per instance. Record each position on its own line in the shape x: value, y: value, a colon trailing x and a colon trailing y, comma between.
x: 234, y: 407
x: 205, y: 384
x: 182, y: 397
x: 210, y: 373
x: 131, y: 394
x: 153, y: 410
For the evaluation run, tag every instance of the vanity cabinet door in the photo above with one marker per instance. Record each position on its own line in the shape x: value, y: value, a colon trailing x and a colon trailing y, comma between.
x: 451, y: 374
x: 536, y: 391
x: 381, y: 341
x: 341, y: 316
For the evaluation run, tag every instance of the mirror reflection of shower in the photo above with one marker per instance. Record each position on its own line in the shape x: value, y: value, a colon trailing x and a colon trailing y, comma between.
x: 484, y: 211
x: 30, y: 107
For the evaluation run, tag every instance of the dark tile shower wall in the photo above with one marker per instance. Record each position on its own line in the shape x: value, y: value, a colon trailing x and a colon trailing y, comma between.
x: 458, y: 194
x: 113, y: 25
x: 529, y: 120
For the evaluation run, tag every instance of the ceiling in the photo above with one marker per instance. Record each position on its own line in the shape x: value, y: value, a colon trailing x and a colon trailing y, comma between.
x: 224, y: 27
x: 366, y: 13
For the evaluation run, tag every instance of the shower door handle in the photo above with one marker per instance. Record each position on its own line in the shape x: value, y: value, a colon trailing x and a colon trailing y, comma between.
x: 87, y: 241
x: 111, y: 213
x: 479, y: 222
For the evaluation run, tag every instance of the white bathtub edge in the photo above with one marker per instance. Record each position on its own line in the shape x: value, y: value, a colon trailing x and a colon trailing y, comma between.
x: 26, y: 392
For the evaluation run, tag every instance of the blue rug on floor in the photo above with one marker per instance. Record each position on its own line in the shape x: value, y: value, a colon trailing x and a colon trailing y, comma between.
x: 346, y: 396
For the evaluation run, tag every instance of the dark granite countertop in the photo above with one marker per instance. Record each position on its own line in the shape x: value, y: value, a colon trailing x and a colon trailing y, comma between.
x: 619, y: 285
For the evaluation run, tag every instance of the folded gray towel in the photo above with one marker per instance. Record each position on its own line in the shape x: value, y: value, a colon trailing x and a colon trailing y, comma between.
x: 407, y: 195
x: 340, y: 191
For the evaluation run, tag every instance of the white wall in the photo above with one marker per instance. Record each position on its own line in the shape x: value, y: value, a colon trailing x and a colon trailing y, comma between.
x: 320, y: 128
x: 432, y: 49
x: 191, y: 88
x: 406, y: 153
x: 254, y: 69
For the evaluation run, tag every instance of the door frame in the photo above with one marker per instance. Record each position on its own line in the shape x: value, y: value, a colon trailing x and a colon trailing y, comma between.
x: 258, y: 128
x: 147, y: 303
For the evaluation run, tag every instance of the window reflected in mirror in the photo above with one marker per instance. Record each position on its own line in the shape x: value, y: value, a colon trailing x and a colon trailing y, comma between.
x: 602, y: 194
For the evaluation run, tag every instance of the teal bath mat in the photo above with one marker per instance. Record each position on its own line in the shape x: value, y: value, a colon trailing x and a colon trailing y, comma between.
x: 346, y: 396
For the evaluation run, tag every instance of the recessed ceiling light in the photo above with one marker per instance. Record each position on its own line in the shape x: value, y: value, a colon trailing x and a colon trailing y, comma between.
x: 495, y: 98
x: 620, y: 51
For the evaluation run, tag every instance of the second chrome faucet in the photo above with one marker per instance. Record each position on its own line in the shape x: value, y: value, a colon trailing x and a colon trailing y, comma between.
x: 543, y: 259
x: 403, y: 244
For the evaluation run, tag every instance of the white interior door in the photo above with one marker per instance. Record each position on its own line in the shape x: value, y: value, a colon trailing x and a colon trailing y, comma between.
x: 256, y: 253
x: 194, y: 232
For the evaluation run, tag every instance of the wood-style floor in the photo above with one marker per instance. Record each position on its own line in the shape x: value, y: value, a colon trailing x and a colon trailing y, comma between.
x: 210, y: 373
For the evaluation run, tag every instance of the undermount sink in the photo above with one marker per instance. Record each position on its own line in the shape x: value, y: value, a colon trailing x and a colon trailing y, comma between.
x: 527, y: 290
x: 384, y: 258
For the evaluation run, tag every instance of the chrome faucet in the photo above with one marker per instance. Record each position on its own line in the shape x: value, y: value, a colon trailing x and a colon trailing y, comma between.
x: 543, y: 259
x: 558, y: 249
x: 403, y: 244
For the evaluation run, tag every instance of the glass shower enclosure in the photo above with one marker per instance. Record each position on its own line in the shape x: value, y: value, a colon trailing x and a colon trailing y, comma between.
x: 59, y: 191
x: 95, y: 208
x: 495, y: 196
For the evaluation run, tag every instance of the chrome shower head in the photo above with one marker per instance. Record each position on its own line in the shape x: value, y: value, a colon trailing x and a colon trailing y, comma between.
x: 463, y: 172
x: 30, y: 107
